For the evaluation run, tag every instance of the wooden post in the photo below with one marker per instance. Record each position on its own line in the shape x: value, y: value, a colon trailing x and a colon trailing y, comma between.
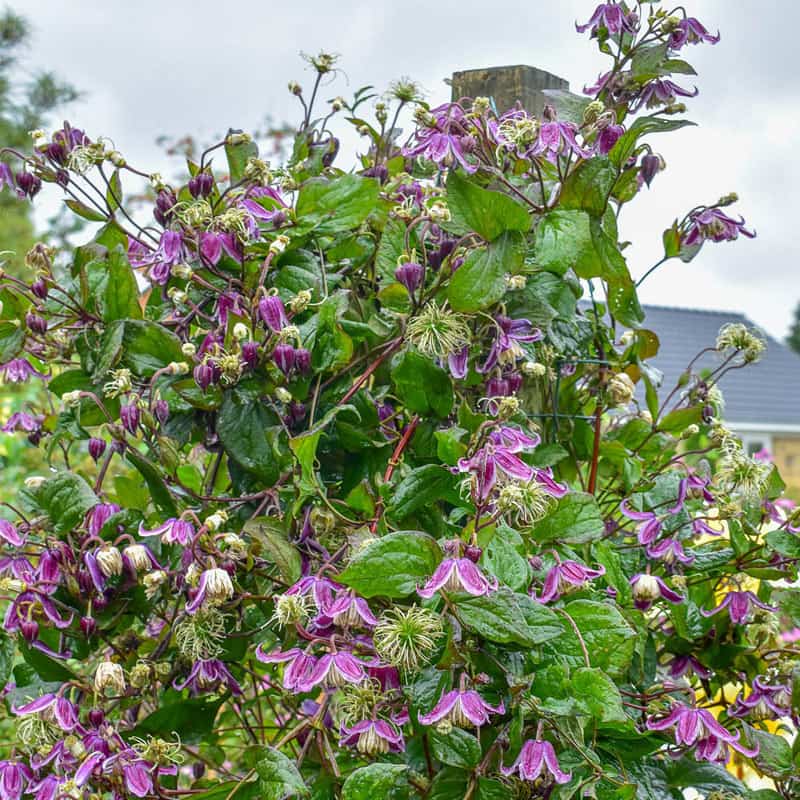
x: 506, y: 85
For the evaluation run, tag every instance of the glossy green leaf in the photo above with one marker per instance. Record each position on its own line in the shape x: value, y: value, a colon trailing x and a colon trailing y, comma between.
x: 423, y: 387
x: 488, y: 213
x: 379, y: 780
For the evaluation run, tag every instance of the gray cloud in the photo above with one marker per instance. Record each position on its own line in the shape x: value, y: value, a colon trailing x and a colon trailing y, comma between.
x: 187, y: 66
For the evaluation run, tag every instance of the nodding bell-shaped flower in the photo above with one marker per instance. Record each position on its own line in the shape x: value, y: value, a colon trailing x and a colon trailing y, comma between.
x: 273, y: 312
x: 537, y: 761
x: 765, y: 701
x: 10, y: 535
x: 410, y: 275
x: 53, y: 706
x: 739, y: 606
x: 567, y: 576
x: 18, y: 370
x: 334, y: 670
x: 462, y: 708
x: 172, y: 531
x: 690, y: 30
x: 299, y: 666
x: 647, y: 589
x: 348, y: 611
x: 206, y: 676
x: 697, y: 728
x: 373, y: 737
x: 14, y: 779
x: 214, y: 588
x: 458, y: 575
x: 612, y: 17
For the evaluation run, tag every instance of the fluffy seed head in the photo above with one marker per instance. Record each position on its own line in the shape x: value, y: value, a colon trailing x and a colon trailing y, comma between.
x: 406, y: 638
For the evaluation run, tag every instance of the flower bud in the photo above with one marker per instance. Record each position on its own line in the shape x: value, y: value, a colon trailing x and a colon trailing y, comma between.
x: 534, y: 369
x: 71, y: 399
x: 219, y: 586
x: 250, y: 354
x: 302, y: 360
x: 295, y: 88
x: 39, y: 288
x: 284, y: 357
x: 201, y: 185
x: 204, y: 375
x: 35, y: 323
x: 300, y: 301
x: 28, y: 183
x: 88, y: 626
x: 272, y: 311
x: 181, y: 271
x: 109, y: 676
x: 410, y: 275
x: 216, y: 520
x: 279, y: 245
x: 188, y: 349
x: 130, y: 414
x: 646, y: 589
x: 651, y: 164
x: 141, y: 675
x: 96, y: 448
x: 473, y: 553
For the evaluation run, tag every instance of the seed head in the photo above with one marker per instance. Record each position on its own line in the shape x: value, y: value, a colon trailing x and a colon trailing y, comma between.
x: 407, y: 638
x: 437, y: 331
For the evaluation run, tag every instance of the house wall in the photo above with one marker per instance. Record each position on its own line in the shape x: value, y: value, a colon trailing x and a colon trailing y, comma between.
x: 786, y: 452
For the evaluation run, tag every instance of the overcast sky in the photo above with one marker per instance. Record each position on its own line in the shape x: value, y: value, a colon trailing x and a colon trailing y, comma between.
x: 171, y: 67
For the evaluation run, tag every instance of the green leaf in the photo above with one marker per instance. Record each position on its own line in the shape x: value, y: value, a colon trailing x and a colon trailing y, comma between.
x: 12, y: 339
x: 155, y: 482
x: 785, y: 543
x: 85, y: 212
x: 390, y: 248
x: 576, y: 519
x: 243, y: 425
x: 114, y: 191
x: 626, y: 144
x: 597, y: 694
x: 480, y: 281
x: 110, y: 349
x: 456, y: 748
x: 420, y: 487
x: 623, y: 302
x: 332, y: 206
x: 278, y: 777
x: 502, y: 559
x: 774, y: 753
x: 508, y: 618
x: 379, y: 780
x: 48, y: 669
x: 332, y: 347
x: 422, y: 387
x: 271, y: 535
x: 65, y: 498
x: 191, y: 719
x: 481, y: 210
x: 148, y: 346
x: 688, y: 773
x: 7, y: 651
x: 589, y: 186
x: 238, y: 156
x: 608, y: 637
x: 394, y: 565
x: 648, y: 60
x: 121, y: 295
x: 563, y: 240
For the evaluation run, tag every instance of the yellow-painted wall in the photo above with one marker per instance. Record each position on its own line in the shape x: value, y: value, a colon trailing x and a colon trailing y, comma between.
x: 786, y: 452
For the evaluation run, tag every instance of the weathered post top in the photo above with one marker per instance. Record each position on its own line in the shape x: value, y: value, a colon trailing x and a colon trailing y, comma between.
x: 507, y: 85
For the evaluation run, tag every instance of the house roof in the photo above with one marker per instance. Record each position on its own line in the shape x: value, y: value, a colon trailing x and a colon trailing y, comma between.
x: 766, y: 393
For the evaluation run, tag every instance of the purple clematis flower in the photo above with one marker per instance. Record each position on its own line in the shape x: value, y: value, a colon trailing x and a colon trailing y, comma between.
x: 20, y: 421
x: 445, y: 140
x: 506, y: 346
x: 321, y: 590
x: 170, y: 251
x: 18, y: 370
x: 690, y: 31
x: 14, y: 779
x: 348, y: 611
x: 648, y: 588
x: 62, y: 710
x: 210, y: 247
x: 498, y: 459
x: 697, y: 728
x: 457, y: 363
x: 458, y: 575
x: 680, y: 665
x: 669, y: 550
x: 650, y: 530
x: 206, y: 676
x: 715, y: 225
x: 273, y: 312
x: 136, y: 772
x: 98, y: 515
x: 462, y: 708
x: 373, y: 736
x: 537, y: 761
x: 333, y: 670
x: 610, y: 16
x: 299, y: 666
x: 565, y: 577
x: 10, y: 535
x: 172, y: 531
x: 661, y: 92
x: 765, y: 701
x: 739, y: 605
x: 557, y: 139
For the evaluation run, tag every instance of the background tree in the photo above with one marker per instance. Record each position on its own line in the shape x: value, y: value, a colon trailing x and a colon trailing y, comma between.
x: 25, y: 102
x: 793, y: 338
